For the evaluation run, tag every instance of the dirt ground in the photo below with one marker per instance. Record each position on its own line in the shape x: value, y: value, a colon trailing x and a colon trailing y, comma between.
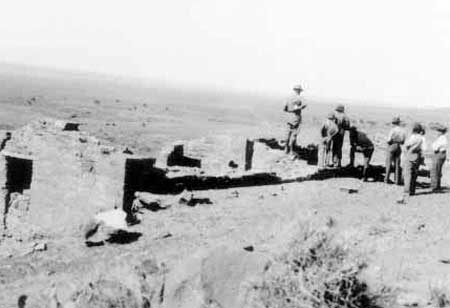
x: 407, y: 246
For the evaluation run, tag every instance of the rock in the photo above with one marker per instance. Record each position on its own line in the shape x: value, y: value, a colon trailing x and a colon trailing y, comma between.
x: 127, y: 151
x: 107, y: 149
x: 104, y: 226
x: 249, y: 248
x: 40, y: 247
x: 115, y: 219
x: 349, y: 190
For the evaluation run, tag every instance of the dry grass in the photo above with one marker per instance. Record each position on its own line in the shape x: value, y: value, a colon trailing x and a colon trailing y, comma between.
x: 316, y: 273
x: 440, y: 296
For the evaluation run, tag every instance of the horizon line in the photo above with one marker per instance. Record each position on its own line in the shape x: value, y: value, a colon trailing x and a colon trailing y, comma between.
x: 147, y: 82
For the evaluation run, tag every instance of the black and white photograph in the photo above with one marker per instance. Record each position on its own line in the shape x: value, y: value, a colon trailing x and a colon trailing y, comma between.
x: 224, y: 154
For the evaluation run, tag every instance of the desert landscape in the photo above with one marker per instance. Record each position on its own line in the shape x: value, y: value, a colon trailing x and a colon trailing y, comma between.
x: 276, y: 234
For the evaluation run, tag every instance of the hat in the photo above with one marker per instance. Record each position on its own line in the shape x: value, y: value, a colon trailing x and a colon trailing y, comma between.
x: 417, y: 128
x: 331, y: 116
x: 396, y: 120
x: 340, y: 108
x: 440, y: 127
x: 297, y: 88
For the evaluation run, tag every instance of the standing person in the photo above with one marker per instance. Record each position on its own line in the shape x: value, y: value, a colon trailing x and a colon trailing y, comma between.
x: 359, y: 142
x: 295, y: 106
x: 328, y: 131
x: 395, y: 140
x: 439, y: 147
x: 343, y: 124
x: 415, y: 147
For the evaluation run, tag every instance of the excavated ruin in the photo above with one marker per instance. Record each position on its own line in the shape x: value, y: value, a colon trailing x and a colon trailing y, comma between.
x: 55, y: 177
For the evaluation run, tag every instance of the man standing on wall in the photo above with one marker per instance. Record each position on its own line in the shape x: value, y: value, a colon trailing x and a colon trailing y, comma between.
x: 295, y: 106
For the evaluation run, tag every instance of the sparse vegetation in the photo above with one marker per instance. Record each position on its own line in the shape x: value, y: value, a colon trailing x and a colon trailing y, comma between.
x: 440, y: 296
x: 316, y: 273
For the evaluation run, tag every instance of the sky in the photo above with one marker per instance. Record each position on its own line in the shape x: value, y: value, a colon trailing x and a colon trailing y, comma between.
x: 394, y: 52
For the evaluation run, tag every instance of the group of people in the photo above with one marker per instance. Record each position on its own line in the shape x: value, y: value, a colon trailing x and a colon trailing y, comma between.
x: 332, y: 134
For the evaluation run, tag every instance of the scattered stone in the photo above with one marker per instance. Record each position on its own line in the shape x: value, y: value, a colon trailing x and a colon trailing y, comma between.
x: 106, y: 150
x: 249, y: 248
x: 232, y: 164
x: 155, y: 202
x: 349, y: 190
x: 234, y: 194
x: 167, y: 235
x: 40, y: 247
x: 127, y: 151
x: 192, y: 201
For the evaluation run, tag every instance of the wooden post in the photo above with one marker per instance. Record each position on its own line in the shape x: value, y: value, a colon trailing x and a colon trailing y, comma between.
x: 249, y: 149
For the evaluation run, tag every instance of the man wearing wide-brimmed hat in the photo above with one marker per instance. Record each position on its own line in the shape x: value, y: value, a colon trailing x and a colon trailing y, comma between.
x: 395, y: 140
x: 439, y: 147
x: 343, y: 124
x: 295, y: 106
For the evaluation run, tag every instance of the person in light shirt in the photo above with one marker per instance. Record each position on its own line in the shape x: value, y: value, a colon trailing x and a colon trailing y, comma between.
x: 415, y: 147
x: 439, y: 147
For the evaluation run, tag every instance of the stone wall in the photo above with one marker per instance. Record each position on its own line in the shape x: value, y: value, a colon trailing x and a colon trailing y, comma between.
x: 74, y: 175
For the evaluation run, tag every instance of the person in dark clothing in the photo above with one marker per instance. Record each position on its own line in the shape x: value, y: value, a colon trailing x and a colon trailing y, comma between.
x: 395, y: 140
x: 359, y: 142
x: 343, y: 124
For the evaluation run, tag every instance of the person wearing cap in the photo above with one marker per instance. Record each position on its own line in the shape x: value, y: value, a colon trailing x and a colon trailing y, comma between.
x: 395, y: 140
x: 360, y: 142
x: 295, y: 106
x: 343, y: 124
x: 415, y: 147
x: 439, y: 147
x: 328, y: 130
